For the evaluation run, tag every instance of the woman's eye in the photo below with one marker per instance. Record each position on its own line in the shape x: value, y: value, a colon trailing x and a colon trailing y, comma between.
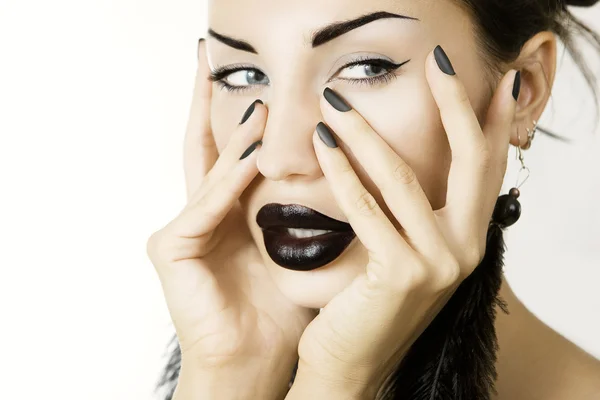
x: 361, y: 71
x: 246, y: 77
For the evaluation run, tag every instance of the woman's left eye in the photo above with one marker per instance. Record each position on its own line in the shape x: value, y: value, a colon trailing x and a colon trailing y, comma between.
x: 361, y: 71
x: 369, y: 71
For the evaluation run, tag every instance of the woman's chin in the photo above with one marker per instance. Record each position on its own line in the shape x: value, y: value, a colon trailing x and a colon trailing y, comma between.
x: 315, y: 288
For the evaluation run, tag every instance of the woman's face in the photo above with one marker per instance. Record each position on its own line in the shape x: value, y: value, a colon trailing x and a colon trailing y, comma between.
x: 289, y: 72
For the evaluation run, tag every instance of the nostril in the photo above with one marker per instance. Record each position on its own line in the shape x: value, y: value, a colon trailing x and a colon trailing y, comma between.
x: 278, y: 164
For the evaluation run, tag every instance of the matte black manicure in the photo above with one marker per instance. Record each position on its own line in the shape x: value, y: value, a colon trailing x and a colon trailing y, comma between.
x: 326, y: 135
x: 442, y: 61
x: 250, y: 149
x: 517, y: 86
x: 336, y: 101
x: 249, y: 111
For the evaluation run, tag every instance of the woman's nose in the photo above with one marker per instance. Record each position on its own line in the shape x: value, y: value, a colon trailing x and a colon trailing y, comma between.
x: 287, y: 148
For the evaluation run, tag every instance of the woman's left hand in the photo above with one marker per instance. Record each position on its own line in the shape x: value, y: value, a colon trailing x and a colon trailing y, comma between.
x: 353, y: 345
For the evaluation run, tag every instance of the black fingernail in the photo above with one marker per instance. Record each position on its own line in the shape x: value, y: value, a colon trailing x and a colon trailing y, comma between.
x: 336, y: 101
x: 517, y: 85
x: 326, y: 135
x: 250, y: 149
x: 249, y: 111
x: 442, y: 61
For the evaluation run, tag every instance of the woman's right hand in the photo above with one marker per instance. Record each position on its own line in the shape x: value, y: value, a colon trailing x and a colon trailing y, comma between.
x: 230, y: 318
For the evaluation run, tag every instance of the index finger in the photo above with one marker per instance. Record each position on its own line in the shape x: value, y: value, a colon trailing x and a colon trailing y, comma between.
x: 199, y: 147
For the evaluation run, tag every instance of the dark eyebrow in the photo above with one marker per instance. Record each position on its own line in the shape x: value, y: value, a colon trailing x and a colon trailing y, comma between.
x: 337, y: 29
x: 231, y: 42
x: 321, y: 36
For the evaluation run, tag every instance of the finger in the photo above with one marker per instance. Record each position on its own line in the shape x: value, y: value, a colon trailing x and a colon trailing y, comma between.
x: 200, y: 151
x: 470, y: 153
x: 397, y: 182
x: 497, y: 130
x: 205, y: 213
x: 246, y: 133
x: 372, y: 227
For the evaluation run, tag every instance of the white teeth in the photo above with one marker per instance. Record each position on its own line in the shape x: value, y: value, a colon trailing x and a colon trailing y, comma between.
x: 303, y: 233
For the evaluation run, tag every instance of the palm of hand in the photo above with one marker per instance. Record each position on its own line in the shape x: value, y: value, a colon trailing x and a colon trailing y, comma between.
x: 228, y: 308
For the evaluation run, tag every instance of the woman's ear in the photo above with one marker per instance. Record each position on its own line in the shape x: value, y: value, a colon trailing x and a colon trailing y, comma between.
x: 537, y: 63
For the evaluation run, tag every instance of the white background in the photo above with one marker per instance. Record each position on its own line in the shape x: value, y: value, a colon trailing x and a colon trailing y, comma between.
x: 94, y: 97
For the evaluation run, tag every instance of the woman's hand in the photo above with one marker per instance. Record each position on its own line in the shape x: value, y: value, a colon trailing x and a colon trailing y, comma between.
x: 352, y: 346
x: 237, y: 333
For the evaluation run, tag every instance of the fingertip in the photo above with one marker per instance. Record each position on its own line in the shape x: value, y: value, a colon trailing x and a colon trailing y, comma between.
x: 444, y: 83
x: 255, y: 112
x: 516, y: 90
x: 200, y: 43
x: 430, y: 64
x: 319, y: 146
x: 261, y: 111
x: 201, y: 53
x: 252, y: 149
x: 504, y: 101
x: 203, y: 70
x: 513, y: 87
x: 443, y: 62
x: 260, y: 105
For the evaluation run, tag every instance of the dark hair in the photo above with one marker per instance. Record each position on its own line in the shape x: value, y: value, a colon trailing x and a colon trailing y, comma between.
x: 503, y: 27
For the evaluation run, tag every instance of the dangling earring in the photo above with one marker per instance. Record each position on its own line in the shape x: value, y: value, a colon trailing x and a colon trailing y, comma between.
x: 508, y: 209
x: 530, y: 135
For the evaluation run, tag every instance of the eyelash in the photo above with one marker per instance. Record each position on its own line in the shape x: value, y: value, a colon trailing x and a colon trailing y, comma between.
x: 220, y: 73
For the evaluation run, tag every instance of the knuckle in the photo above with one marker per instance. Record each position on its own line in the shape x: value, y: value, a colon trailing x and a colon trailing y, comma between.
x: 404, y: 174
x: 386, y: 256
x: 155, y: 246
x: 449, y: 274
x: 417, y: 276
x: 412, y: 278
x: 366, y: 203
x: 202, y: 204
x: 206, y: 140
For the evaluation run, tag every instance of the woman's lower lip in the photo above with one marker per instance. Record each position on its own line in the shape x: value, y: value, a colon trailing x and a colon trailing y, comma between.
x: 305, y: 254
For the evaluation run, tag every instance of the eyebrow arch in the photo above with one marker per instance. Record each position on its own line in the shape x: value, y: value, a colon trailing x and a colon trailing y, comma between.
x: 231, y: 42
x: 321, y: 36
x: 337, y: 29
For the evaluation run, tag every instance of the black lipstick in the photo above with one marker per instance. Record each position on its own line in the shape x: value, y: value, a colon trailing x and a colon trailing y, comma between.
x: 306, y: 253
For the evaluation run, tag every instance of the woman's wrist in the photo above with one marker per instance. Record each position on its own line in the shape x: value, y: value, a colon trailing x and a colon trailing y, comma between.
x: 311, y: 386
x: 226, y: 384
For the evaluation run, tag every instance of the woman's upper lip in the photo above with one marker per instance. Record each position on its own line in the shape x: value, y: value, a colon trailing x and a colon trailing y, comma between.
x: 275, y: 215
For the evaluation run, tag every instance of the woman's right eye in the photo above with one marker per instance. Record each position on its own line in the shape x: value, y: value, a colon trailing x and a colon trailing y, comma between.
x: 247, y: 77
x: 239, y: 79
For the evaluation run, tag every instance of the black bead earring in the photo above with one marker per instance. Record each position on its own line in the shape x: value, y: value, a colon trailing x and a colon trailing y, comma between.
x: 508, y: 209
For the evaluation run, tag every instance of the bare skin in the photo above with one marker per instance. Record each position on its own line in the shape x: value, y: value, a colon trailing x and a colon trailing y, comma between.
x: 404, y: 113
x: 536, y: 362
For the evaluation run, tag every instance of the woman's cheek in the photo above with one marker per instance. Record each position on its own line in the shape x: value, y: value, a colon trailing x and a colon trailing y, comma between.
x: 226, y: 112
x: 408, y: 120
